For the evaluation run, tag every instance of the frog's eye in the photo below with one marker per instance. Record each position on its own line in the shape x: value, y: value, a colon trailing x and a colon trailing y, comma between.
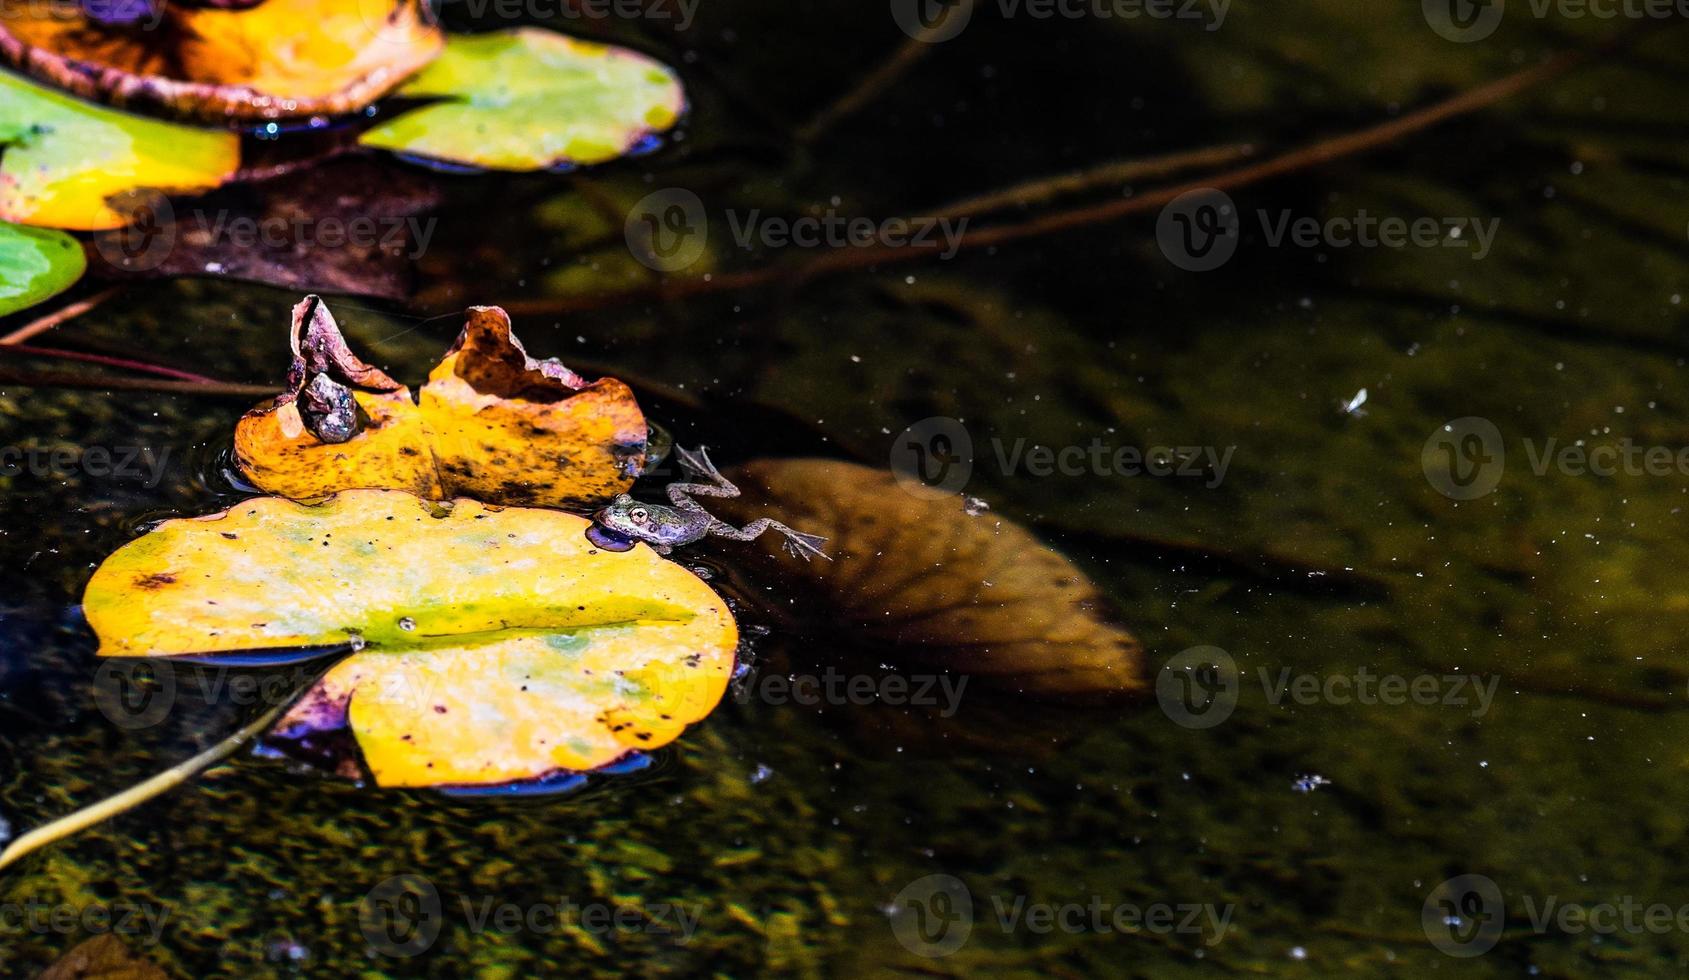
x: 639, y: 515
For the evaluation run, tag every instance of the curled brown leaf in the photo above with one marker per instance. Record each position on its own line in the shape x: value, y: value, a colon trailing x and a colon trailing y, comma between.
x: 916, y: 576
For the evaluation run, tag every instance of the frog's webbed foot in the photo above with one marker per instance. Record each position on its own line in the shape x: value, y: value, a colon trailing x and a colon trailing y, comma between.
x: 797, y: 543
x: 801, y: 545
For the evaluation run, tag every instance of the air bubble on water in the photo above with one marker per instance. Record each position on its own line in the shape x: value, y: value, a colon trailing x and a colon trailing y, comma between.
x: 407, y: 624
x: 973, y: 506
x: 5, y: 830
x: 761, y: 774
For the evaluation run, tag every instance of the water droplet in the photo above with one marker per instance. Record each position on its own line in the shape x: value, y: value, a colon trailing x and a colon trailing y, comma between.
x: 973, y: 506
x: 407, y: 624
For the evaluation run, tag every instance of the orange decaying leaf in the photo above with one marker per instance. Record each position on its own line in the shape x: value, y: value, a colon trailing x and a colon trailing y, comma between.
x: 493, y: 424
x: 279, y: 452
x: 505, y: 427
x: 279, y: 59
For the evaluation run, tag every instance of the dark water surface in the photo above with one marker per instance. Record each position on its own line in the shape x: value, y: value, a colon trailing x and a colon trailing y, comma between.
x: 1431, y: 682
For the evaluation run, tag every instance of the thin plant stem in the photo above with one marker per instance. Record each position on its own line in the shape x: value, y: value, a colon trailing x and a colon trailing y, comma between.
x: 881, y: 78
x: 68, y: 312
x: 1306, y: 157
x: 1046, y: 189
x: 164, y: 782
x: 112, y: 382
x: 106, y: 360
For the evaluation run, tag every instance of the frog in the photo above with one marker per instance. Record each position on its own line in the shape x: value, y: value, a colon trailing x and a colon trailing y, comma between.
x: 625, y: 520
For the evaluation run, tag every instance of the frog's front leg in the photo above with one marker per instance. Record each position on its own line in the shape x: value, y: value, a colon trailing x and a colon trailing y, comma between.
x: 698, y: 464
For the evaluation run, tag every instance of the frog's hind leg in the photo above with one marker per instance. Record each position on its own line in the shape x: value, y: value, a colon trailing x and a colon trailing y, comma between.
x: 797, y: 543
x: 698, y: 465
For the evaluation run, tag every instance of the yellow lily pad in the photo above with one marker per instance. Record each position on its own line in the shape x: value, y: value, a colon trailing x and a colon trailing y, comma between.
x: 493, y: 423
x: 280, y: 58
x: 493, y: 644
x: 532, y: 99
x: 65, y: 161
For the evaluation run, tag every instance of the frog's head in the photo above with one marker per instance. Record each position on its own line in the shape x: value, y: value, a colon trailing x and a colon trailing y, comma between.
x: 620, y: 523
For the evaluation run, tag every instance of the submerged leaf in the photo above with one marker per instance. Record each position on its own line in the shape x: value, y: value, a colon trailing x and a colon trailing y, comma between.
x: 915, y: 573
x: 496, y: 644
x: 494, y: 423
x: 529, y: 99
x: 280, y: 58
x: 65, y: 161
x: 35, y: 264
x: 350, y: 226
x: 105, y: 957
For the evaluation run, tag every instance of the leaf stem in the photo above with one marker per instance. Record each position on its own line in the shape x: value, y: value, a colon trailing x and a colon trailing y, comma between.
x: 25, y: 350
x: 68, y: 312
x: 141, y: 792
x: 112, y: 382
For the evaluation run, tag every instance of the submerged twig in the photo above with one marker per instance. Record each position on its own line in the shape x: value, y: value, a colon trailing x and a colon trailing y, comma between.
x: 112, y: 382
x: 881, y: 78
x: 1311, y: 155
x: 106, y: 360
x: 69, y: 311
x: 1046, y: 189
x: 134, y: 796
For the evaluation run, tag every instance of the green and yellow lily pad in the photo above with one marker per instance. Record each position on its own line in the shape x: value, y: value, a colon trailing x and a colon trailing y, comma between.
x: 65, y: 161
x: 492, y: 645
x: 532, y: 99
x: 35, y: 264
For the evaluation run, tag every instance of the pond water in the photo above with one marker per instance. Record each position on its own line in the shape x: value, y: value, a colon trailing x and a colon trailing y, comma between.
x: 1445, y: 623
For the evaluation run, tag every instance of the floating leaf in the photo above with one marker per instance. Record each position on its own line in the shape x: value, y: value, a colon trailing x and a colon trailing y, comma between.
x: 351, y: 226
x: 280, y: 58
x: 502, y: 424
x: 531, y: 99
x: 497, y: 644
x: 64, y: 161
x: 914, y: 572
x: 36, y: 263
x: 494, y: 423
x: 105, y: 957
x: 298, y: 447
